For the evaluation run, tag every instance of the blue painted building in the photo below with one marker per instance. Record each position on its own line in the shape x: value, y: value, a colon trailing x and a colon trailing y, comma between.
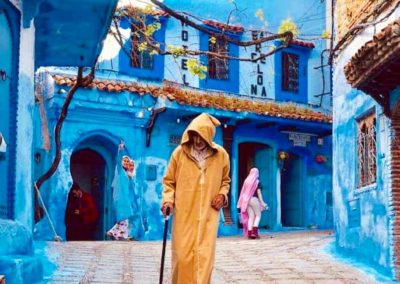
x: 275, y: 115
x: 365, y: 127
x: 33, y: 34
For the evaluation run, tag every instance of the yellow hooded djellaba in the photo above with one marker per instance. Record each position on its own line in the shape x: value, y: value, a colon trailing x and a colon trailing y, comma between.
x: 191, y: 189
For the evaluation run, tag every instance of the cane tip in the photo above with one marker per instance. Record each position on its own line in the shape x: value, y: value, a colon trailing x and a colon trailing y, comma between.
x: 57, y: 239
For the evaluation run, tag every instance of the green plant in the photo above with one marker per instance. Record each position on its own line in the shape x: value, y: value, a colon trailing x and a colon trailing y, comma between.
x: 196, y: 68
x: 288, y: 25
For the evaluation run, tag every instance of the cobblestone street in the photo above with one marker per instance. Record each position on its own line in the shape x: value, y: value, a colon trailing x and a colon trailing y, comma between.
x: 283, y: 258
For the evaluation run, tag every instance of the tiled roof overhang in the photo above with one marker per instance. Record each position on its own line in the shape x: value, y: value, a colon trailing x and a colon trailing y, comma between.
x: 375, y: 68
x: 174, y: 92
x: 301, y: 43
x: 133, y: 11
x: 222, y: 26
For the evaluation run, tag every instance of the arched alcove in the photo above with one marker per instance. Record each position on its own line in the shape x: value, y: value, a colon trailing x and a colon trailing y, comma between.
x: 92, y: 166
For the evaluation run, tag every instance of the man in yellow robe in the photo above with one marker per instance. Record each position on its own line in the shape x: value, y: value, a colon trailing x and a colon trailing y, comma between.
x: 196, y: 185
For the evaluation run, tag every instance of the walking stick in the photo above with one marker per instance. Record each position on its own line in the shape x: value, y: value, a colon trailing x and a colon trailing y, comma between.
x: 166, y: 219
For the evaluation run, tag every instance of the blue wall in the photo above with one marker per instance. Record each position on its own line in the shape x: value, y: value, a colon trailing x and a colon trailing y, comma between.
x: 300, y: 96
x: 231, y: 84
x: 109, y: 117
x: 17, y: 260
x: 9, y: 32
x: 363, y: 216
x: 157, y: 72
x: 103, y: 118
x: 316, y: 178
x: 264, y: 75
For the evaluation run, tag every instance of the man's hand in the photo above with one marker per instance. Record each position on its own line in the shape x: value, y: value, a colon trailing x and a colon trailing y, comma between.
x: 165, y: 207
x: 218, y: 202
x: 76, y: 211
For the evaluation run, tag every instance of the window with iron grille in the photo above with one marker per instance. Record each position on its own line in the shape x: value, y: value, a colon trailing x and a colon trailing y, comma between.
x: 290, y: 71
x: 139, y: 59
x: 218, y: 68
x: 366, y: 147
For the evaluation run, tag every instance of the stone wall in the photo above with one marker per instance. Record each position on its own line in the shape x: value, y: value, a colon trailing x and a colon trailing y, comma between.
x: 350, y: 13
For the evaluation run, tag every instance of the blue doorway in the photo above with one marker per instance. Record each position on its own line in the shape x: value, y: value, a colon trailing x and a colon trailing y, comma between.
x: 260, y: 156
x: 291, y: 192
x: 264, y: 162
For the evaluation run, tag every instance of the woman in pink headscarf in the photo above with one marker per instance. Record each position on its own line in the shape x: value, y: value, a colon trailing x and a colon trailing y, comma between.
x: 251, y: 204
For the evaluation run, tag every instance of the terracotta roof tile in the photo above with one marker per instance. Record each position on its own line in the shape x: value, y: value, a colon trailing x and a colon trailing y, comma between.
x: 133, y: 11
x: 174, y: 92
x: 302, y: 43
x: 375, y: 67
x: 222, y: 26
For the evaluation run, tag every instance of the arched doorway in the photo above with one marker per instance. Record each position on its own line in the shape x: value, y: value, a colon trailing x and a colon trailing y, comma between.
x: 291, y: 192
x: 260, y: 156
x: 9, y: 50
x: 88, y: 169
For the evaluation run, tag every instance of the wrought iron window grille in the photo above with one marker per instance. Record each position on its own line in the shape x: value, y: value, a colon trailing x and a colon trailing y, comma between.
x: 366, y: 148
x: 218, y: 68
x: 140, y: 58
x: 290, y: 71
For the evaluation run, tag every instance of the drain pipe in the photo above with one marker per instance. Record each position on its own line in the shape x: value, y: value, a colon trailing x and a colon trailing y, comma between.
x: 150, y: 124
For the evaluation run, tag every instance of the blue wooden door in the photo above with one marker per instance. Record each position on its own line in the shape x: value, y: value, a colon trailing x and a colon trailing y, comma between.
x: 6, y: 55
x: 263, y: 161
x: 291, y: 193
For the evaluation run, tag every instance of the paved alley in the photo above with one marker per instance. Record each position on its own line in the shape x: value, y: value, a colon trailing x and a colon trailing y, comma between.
x: 285, y: 258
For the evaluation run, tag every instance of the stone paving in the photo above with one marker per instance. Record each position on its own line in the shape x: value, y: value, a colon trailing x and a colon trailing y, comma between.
x: 295, y: 257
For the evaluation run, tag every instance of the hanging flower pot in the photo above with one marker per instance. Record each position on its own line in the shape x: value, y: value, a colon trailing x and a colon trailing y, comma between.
x: 320, y: 159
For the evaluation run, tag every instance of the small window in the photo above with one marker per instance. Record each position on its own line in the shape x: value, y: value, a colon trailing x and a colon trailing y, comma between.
x: 290, y: 71
x: 218, y: 68
x: 366, y: 147
x: 139, y: 59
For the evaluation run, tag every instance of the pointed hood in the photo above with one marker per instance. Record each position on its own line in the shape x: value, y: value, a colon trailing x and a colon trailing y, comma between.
x: 204, y: 125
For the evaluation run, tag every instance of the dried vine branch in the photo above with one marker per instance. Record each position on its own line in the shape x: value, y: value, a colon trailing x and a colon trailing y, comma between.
x: 221, y: 35
x: 80, y: 82
x: 138, y: 24
x: 351, y: 33
x: 153, y: 44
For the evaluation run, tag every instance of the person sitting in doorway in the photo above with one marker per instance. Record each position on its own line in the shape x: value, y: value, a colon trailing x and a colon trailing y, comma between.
x: 81, y: 215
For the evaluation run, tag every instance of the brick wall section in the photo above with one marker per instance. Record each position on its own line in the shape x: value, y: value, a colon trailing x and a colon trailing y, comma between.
x: 350, y: 13
x: 395, y: 182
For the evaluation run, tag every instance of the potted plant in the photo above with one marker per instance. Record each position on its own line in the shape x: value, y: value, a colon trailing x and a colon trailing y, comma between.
x: 320, y: 159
